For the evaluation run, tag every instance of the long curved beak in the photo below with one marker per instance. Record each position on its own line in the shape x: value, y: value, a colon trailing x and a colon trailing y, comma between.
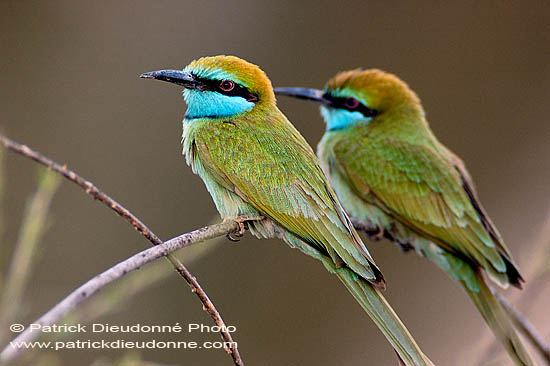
x: 314, y: 95
x: 178, y: 77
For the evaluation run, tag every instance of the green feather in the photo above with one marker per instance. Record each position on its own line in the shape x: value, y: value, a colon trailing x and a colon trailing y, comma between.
x: 261, y: 165
x: 257, y: 163
x: 391, y: 174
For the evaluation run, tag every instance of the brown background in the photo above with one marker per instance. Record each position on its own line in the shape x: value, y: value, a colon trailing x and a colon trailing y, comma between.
x: 70, y: 89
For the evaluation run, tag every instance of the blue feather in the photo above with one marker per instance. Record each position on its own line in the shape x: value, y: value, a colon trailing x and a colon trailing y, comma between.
x: 337, y: 119
x: 211, y: 104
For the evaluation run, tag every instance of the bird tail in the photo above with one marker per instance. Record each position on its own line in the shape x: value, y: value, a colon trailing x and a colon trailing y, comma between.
x: 380, y: 311
x: 497, y: 319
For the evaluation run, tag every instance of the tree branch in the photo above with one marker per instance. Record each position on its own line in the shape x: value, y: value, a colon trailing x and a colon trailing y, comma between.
x: 134, y: 262
x: 97, y: 194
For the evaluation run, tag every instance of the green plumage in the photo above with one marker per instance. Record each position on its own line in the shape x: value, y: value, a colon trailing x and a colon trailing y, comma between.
x: 422, y: 202
x: 270, y: 167
x: 419, y: 187
x: 273, y: 172
x: 256, y: 163
x: 394, y: 178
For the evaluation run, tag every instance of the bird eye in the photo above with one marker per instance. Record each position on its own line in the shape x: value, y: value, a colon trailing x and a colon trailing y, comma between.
x: 227, y: 85
x: 351, y: 103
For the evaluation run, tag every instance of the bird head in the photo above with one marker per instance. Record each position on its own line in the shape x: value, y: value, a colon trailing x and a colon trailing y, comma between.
x: 219, y: 86
x: 357, y: 96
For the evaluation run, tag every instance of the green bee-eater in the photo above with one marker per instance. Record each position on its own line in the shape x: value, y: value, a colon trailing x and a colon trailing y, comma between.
x: 396, y: 180
x: 255, y: 163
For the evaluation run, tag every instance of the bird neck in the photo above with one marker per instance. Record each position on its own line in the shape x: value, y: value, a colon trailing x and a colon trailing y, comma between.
x: 211, y: 104
x: 338, y: 119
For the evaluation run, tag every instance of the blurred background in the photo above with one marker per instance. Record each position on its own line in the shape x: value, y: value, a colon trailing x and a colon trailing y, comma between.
x: 70, y: 89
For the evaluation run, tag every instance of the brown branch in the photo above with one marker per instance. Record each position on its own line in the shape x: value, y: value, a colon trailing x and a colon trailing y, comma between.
x: 119, y: 270
x: 523, y: 324
x: 97, y: 194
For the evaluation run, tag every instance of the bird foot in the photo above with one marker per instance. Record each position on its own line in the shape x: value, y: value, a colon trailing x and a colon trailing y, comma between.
x: 375, y: 234
x: 241, y: 221
x: 405, y: 247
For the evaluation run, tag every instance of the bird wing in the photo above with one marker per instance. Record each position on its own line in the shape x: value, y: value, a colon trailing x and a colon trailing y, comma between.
x: 273, y: 169
x: 426, y: 192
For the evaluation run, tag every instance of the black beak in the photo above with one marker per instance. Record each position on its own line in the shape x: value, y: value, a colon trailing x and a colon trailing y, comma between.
x: 314, y: 95
x: 178, y: 77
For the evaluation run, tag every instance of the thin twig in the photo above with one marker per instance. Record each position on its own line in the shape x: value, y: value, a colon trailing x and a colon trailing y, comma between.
x: 117, y: 271
x: 88, y: 186
x: 97, y: 194
x: 118, y: 294
x: 523, y: 324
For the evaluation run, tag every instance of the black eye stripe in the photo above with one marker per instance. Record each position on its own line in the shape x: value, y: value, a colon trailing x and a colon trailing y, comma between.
x: 237, y: 91
x: 340, y: 103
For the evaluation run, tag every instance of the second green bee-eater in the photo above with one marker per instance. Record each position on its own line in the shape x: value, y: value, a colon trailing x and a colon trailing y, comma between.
x: 255, y: 163
x: 396, y: 180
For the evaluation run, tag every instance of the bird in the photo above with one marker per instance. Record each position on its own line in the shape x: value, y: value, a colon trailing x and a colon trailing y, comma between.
x: 397, y: 181
x: 255, y: 163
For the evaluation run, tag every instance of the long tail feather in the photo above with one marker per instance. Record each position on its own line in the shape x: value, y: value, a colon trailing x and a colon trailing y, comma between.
x: 376, y: 306
x: 499, y: 322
